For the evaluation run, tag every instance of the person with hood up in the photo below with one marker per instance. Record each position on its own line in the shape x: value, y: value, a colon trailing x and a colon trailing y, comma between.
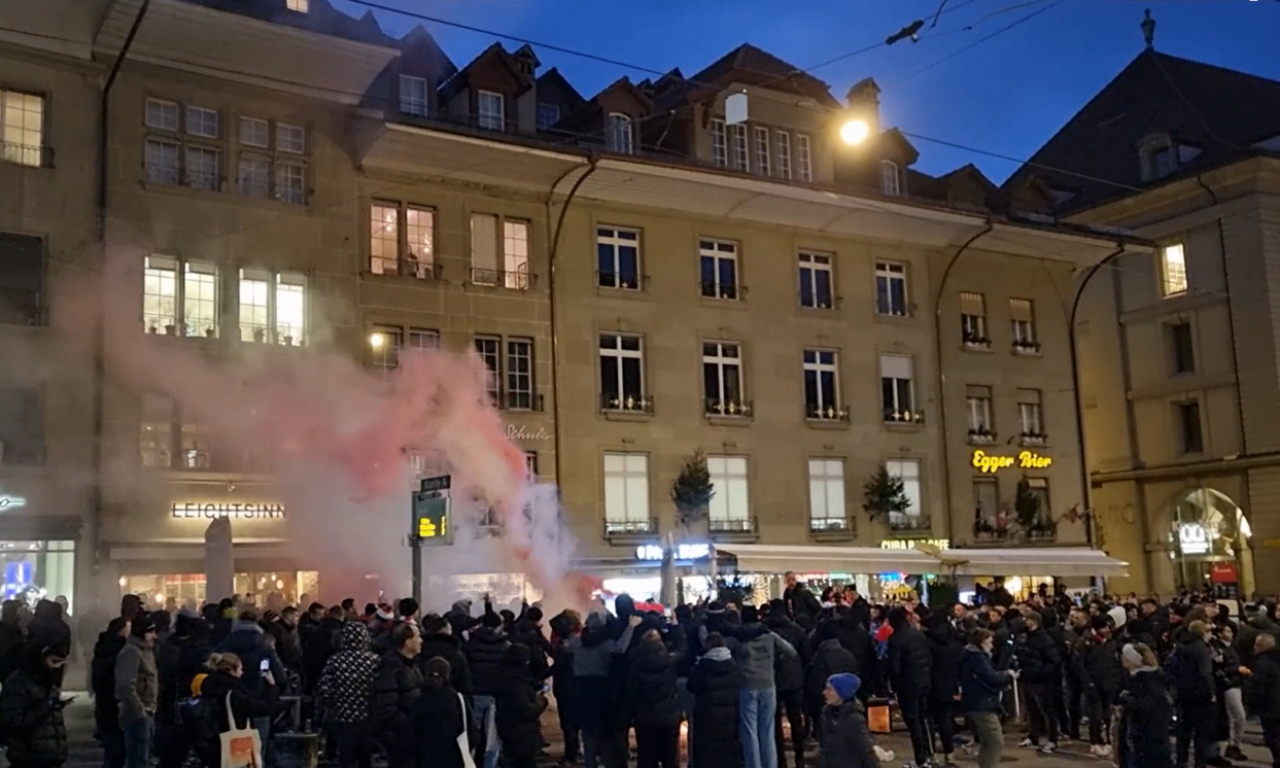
x: 829, y: 658
x: 527, y: 631
x: 178, y: 660
x: 49, y: 629
x: 519, y: 707
x: 1040, y: 660
x: 485, y: 651
x: 102, y: 677
x: 248, y: 640
x: 1095, y: 663
x: 594, y: 652
x: 1146, y: 711
x: 1191, y: 669
x: 441, y: 719
x: 946, y: 647
x: 459, y: 618
x: 1262, y: 691
x: 137, y: 689
x: 846, y: 742
x: 396, y: 688
x: 911, y: 678
x: 981, y: 688
x: 758, y: 654
x: 650, y: 698
x: 31, y: 705
x: 223, y: 686
x: 438, y: 642
x: 344, y: 694
x: 789, y: 680
x: 565, y: 627
x: 714, y: 682
x: 12, y: 639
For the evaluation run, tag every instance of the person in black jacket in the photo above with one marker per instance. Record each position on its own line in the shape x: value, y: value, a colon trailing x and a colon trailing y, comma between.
x: 178, y: 660
x: 222, y: 685
x: 1146, y: 711
x: 798, y: 599
x: 565, y: 628
x: 946, y: 646
x: 438, y: 642
x: 650, y: 699
x: 527, y: 631
x: 1192, y: 670
x: 106, y: 710
x: 440, y: 717
x: 519, y: 707
x: 1262, y: 690
x: 396, y: 687
x: 48, y: 629
x: 1228, y: 668
x: 1040, y: 662
x: 981, y: 688
x: 31, y: 705
x: 789, y: 682
x: 830, y: 658
x: 485, y: 651
x: 846, y: 742
x: 910, y: 675
x: 12, y: 638
x: 1095, y: 661
x: 714, y: 682
x: 319, y: 643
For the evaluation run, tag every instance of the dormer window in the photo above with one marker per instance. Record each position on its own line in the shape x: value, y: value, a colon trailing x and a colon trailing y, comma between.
x: 618, y: 132
x: 490, y: 110
x: 890, y: 180
x: 413, y: 95
x: 1159, y: 156
x: 298, y: 6
x: 548, y: 115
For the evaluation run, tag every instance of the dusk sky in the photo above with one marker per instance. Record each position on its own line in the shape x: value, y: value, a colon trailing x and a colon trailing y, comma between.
x: 1006, y: 95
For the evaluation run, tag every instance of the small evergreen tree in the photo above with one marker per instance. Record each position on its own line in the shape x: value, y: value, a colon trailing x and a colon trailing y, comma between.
x: 885, y: 495
x: 692, y: 490
x: 1026, y: 505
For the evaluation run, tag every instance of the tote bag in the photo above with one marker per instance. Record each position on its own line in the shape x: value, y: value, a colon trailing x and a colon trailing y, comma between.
x: 240, y: 748
x: 464, y: 743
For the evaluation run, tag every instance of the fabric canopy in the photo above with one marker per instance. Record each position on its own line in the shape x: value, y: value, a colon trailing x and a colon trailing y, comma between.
x: 1031, y: 561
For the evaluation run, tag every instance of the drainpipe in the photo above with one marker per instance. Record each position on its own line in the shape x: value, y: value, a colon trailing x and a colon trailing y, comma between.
x: 942, y: 376
x: 1085, y: 486
x: 100, y: 338
x: 592, y: 160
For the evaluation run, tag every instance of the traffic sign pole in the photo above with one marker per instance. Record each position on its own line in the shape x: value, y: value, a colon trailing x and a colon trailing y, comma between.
x: 429, y: 513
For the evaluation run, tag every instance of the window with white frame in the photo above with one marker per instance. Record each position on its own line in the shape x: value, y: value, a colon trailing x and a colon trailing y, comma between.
x: 1031, y: 415
x: 273, y: 307
x: 22, y: 128
x: 978, y: 410
x: 618, y: 258
x: 423, y: 338
x: 291, y: 138
x: 271, y: 163
x: 162, y: 115
x: 548, y: 116
x: 182, y: 146
x: 722, y: 378
x: 719, y: 143
x: 299, y: 6
x: 489, y: 348
x: 890, y: 178
x: 897, y: 388
x: 1039, y: 488
x: 804, y: 158
x: 163, y: 161
x: 622, y: 373
x: 531, y: 466
x: 618, y: 133
x: 491, y: 110
x: 815, y: 280
x: 973, y: 321
x: 626, y: 493
x: 762, y: 150
x: 179, y: 298
x: 413, y: 95
x: 741, y: 150
x: 1173, y: 270
x: 784, y: 154
x: 519, y: 394
x: 827, y: 510
x: 1022, y: 315
x: 500, y: 261
x: 986, y: 502
x: 203, y: 168
x: 908, y: 471
x: 822, y: 385
x: 202, y: 122
x: 401, y: 239
x: 718, y: 266
x: 386, y: 342
x: 730, y: 507
x: 891, y: 289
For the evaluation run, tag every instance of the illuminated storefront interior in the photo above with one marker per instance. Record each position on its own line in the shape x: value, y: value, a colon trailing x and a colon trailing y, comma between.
x: 266, y: 587
x: 1211, y: 543
x: 39, y: 569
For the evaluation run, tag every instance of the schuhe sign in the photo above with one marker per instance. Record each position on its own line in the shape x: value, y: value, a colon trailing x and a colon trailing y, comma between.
x: 235, y: 511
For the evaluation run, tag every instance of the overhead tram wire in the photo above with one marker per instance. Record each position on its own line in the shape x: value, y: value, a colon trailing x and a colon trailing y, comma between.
x: 984, y: 39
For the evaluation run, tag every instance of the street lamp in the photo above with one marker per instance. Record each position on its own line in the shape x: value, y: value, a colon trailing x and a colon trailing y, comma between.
x: 377, y: 340
x: 854, y: 131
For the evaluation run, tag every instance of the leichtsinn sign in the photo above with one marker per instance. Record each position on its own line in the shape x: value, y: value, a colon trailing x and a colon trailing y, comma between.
x: 991, y: 464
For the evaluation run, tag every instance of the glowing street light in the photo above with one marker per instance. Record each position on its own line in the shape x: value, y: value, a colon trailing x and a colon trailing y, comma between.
x: 854, y: 132
x: 377, y: 340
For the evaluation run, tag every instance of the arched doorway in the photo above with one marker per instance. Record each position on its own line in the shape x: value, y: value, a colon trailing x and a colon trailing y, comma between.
x: 1211, y: 543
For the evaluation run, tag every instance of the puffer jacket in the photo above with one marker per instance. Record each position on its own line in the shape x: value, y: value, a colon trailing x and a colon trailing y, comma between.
x: 909, y: 661
x: 980, y: 683
x: 396, y: 688
x: 1039, y: 658
x: 448, y: 648
x: 845, y: 740
x: 789, y: 672
x: 1192, y: 670
x: 106, y: 711
x: 485, y: 651
x: 531, y: 636
x: 650, y: 697
x: 345, y: 690
x: 1096, y: 663
x: 715, y: 684
x: 31, y: 711
x: 519, y: 706
x: 831, y: 658
x: 946, y: 647
x: 248, y: 640
x: 137, y: 681
x: 759, y: 654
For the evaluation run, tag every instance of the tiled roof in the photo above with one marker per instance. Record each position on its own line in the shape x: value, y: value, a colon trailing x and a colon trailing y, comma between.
x: 752, y: 66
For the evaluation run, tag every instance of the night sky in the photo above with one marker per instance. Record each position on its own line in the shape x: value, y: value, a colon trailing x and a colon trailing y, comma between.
x: 1005, y: 95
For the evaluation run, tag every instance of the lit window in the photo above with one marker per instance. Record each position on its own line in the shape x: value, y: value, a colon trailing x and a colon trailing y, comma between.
x: 718, y: 266
x: 388, y: 255
x: 22, y: 126
x: 290, y: 309
x: 1022, y: 315
x: 199, y: 299
x: 162, y: 115
x: 299, y: 6
x: 155, y: 432
x: 618, y: 258
x: 255, y: 305
x: 291, y: 138
x: 622, y: 373
x: 202, y: 122
x: 1173, y: 270
x: 784, y: 154
x: 491, y: 110
x: 897, y: 388
x: 719, y: 143
x: 891, y: 289
x: 890, y: 180
x: 722, y: 378
x: 978, y: 409
x: 489, y: 348
x: 160, y: 295
x: 827, y: 510
x: 179, y: 307
x: 548, y: 116
x: 385, y: 354
x: 515, y: 252
x: 815, y: 281
x: 619, y: 134
x: 413, y: 95
x: 730, y: 507
x: 626, y: 493
x: 908, y: 471
x: 273, y: 307
x: 822, y: 385
x: 741, y: 152
x: 762, y: 151
x: 195, y: 447
x: 973, y: 321
x: 804, y: 158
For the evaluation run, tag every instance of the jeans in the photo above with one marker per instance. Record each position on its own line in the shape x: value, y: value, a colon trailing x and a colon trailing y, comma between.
x: 658, y: 747
x: 112, y: 748
x: 137, y: 742
x: 986, y: 728
x: 485, y: 710
x: 355, y: 744
x: 1196, y: 721
x: 1234, y: 701
x: 790, y: 701
x: 755, y: 727
x: 915, y: 709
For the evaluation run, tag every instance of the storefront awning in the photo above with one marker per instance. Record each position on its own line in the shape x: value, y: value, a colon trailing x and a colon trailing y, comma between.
x: 769, y: 558
x: 1047, y: 561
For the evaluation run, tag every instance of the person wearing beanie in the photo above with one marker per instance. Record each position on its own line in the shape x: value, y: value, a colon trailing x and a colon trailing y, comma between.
x: 31, y: 706
x: 1095, y: 662
x: 845, y: 741
x: 1191, y: 669
x: 138, y: 691
x: 485, y: 651
x: 1146, y: 712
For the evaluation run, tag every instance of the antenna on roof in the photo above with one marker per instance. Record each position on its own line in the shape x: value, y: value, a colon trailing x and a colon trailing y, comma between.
x: 1149, y: 30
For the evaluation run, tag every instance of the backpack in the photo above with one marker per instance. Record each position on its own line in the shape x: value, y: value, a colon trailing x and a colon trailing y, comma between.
x: 199, y: 718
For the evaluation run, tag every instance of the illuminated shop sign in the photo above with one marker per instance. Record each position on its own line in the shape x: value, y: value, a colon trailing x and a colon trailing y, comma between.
x: 1024, y: 460
x: 911, y: 543
x: 1193, y: 539
x: 653, y: 553
x: 11, y: 502
x: 212, y: 511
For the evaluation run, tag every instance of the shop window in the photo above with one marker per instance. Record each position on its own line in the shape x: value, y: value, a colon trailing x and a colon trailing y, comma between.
x: 730, y: 508
x: 265, y: 590
x: 22, y: 426
x: 35, y: 570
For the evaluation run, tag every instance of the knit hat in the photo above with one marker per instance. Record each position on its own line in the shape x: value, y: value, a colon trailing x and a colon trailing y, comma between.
x: 142, y: 625
x: 1131, y: 656
x: 845, y: 685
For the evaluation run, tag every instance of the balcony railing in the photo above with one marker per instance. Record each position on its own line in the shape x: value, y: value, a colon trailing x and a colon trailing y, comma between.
x: 517, y: 280
x: 821, y: 302
x: 906, y: 522
x: 734, y: 525
x: 975, y: 341
x: 828, y: 413
x: 981, y: 436
x: 726, y: 291
x: 522, y: 401
x: 622, y: 281
x: 1026, y: 347
x: 30, y: 155
x: 986, y: 531
x: 421, y: 270
x: 903, y: 416
x: 630, y: 529
x: 728, y: 409
x: 831, y: 527
x: 1034, y: 438
x: 612, y: 402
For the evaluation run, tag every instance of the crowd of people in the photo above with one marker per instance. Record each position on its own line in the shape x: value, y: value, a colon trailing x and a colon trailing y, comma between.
x: 1147, y: 683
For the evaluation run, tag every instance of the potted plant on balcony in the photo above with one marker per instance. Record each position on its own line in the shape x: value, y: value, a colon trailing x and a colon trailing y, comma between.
x: 884, y: 496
